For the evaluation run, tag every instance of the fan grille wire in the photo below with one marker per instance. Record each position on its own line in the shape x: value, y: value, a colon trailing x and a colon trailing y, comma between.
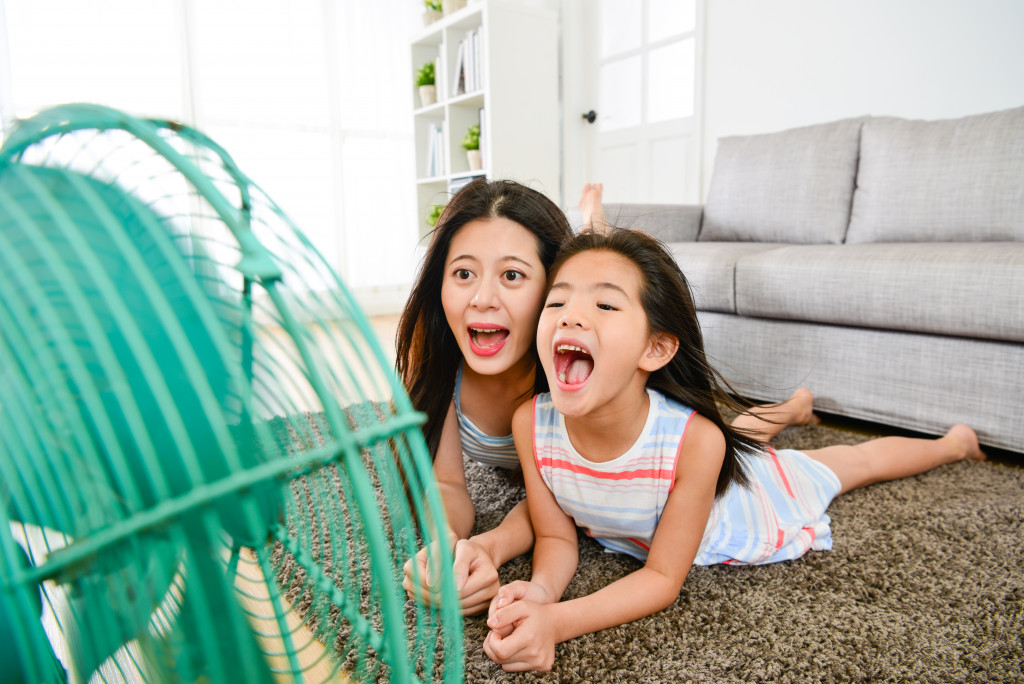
x: 295, y: 399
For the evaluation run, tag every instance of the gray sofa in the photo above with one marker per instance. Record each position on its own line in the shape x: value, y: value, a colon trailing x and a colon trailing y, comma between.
x: 878, y: 261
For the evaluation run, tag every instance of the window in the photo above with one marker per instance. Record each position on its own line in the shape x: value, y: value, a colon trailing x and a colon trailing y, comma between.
x: 310, y: 98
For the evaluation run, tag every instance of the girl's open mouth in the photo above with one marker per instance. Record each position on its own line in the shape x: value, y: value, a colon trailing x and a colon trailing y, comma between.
x: 573, y: 365
x: 487, y: 341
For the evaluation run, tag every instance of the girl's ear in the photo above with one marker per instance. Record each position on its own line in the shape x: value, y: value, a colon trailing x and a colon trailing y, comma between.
x: 660, y: 351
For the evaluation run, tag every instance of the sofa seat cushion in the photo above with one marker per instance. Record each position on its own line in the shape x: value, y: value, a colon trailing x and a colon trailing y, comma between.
x: 710, y: 268
x: 961, y: 289
x: 792, y: 186
x: 956, y: 180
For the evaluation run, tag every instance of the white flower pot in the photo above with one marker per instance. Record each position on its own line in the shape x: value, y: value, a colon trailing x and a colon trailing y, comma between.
x: 428, y: 95
x: 430, y: 16
x: 475, y: 162
x: 450, y: 6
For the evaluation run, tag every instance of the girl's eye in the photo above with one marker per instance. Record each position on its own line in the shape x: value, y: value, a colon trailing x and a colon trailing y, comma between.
x: 553, y: 305
x: 513, y: 276
x: 606, y: 307
x: 463, y: 273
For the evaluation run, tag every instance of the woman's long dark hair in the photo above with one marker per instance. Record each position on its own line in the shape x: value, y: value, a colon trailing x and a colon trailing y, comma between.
x: 428, y: 356
x: 665, y: 296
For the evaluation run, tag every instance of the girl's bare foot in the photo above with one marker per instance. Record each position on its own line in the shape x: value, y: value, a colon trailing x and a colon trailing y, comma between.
x: 590, y: 206
x: 966, y: 442
x: 799, y: 408
x: 766, y: 421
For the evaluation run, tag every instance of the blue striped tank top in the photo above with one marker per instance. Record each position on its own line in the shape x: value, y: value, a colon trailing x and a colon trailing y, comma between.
x: 498, y: 452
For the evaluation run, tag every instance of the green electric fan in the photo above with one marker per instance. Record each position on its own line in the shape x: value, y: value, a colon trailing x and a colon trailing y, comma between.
x: 208, y: 471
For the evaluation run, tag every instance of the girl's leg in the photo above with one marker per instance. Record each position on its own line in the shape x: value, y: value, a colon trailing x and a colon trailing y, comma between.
x: 892, y: 458
x: 765, y: 421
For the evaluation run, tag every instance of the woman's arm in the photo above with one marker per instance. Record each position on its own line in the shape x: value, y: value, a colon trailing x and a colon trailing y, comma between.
x: 538, y: 627
x: 450, y: 472
x: 477, y: 558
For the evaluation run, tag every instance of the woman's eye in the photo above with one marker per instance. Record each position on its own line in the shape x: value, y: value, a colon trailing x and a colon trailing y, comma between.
x: 463, y: 274
x: 513, y: 276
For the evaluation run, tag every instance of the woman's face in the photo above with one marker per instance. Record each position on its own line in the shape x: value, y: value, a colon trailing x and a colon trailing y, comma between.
x: 492, y: 293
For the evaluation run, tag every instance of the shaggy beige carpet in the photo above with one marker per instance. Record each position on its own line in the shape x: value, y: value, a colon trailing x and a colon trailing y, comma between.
x: 925, y: 583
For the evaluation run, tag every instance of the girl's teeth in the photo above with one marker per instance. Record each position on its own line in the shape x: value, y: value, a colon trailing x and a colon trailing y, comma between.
x: 561, y: 377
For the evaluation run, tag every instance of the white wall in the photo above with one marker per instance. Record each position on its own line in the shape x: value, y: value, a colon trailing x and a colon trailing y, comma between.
x: 785, y: 63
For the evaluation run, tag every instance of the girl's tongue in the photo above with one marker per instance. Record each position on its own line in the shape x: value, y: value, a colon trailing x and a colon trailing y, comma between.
x: 573, y: 365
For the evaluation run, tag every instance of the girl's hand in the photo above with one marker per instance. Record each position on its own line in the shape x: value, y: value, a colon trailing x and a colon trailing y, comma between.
x: 529, y: 643
x: 509, y: 594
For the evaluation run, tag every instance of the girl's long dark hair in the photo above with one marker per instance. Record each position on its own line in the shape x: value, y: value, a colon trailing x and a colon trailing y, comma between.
x: 688, y: 377
x: 428, y: 356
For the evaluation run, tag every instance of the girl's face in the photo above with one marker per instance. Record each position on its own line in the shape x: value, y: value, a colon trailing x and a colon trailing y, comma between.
x: 492, y: 292
x: 593, y: 336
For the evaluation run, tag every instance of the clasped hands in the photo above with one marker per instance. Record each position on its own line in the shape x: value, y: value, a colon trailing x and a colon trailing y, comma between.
x: 522, y: 635
x: 522, y: 623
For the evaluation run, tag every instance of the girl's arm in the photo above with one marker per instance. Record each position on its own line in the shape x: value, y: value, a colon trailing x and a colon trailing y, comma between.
x: 555, y: 551
x: 538, y: 627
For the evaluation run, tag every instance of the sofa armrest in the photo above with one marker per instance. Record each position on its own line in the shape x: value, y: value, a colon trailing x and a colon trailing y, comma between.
x: 667, y: 222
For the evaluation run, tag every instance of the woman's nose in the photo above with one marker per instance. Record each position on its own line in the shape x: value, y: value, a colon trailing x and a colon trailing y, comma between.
x: 485, y: 297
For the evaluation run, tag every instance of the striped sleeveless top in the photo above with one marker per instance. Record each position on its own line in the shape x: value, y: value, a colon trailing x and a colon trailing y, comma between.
x: 619, y: 503
x: 498, y: 452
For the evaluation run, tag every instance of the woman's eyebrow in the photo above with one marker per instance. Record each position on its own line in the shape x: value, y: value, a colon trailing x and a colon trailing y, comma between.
x: 510, y: 257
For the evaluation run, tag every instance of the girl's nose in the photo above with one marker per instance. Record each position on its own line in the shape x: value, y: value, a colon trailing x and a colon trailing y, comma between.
x: 570, y: 318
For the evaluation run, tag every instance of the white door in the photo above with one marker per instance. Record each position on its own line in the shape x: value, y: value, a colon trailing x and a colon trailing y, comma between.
x: 639, y: 63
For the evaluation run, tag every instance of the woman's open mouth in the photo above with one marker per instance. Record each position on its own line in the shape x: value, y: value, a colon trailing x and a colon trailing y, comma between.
x: 487, y: 341
x: 573, y: 365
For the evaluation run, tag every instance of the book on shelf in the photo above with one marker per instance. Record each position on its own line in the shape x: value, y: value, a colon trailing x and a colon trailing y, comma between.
x: 456, y: 184
x: 435, y: 151
x: 459, y: 75
x: 467, y: 76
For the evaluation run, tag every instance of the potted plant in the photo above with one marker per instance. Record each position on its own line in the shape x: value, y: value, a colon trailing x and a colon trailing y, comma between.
x: 435, y: 213
x: 432, y: 12
x: 425, y: 83
x: 471, y: 143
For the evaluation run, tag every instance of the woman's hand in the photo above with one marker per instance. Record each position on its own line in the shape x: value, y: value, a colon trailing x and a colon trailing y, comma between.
x: 476, y: 577
x: 422, y: 580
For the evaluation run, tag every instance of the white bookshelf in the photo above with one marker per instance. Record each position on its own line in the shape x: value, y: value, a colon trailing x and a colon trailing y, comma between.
x: 516, y: 105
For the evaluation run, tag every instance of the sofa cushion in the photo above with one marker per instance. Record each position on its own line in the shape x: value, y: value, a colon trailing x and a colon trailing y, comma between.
x: 959, y: 180
x: 961, y: 289
x: 792, y: 186
x: 710, y: 268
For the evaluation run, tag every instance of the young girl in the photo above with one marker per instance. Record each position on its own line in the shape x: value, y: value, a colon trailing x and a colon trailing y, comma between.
x: 629, y: 445
x: 466, y: 354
